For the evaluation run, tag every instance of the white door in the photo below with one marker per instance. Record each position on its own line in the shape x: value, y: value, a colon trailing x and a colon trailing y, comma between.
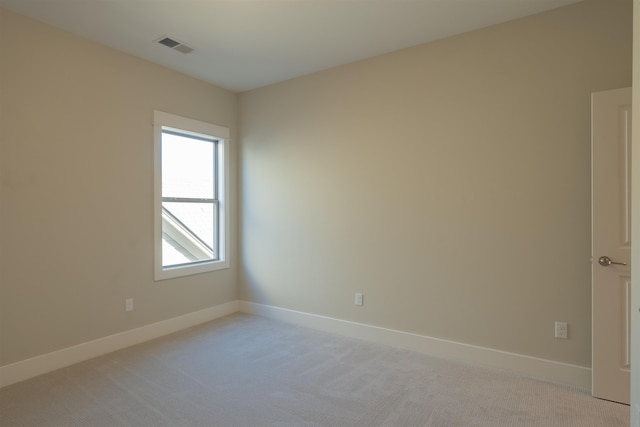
x: 611, y: 245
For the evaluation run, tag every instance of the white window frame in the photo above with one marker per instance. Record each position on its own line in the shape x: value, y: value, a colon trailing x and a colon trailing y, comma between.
x: 220, y: 133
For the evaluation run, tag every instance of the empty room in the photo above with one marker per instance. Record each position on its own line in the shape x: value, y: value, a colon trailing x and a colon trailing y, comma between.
x: 319, y: 212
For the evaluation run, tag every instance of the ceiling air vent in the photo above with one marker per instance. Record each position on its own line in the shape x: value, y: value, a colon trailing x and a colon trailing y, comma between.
x: 174, y: 44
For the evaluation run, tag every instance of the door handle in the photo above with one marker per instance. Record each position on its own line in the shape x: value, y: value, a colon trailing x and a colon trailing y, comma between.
x: 605, y: 261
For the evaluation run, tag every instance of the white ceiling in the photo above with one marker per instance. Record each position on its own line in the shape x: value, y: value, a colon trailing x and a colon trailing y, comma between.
x: 244, y: 44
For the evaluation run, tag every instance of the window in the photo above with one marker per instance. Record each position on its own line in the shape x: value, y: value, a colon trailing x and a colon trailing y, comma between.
x: 191, y: 209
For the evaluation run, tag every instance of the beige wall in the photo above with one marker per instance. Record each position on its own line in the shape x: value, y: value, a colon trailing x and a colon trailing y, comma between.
x: 635, y: 253
x: 450, y: 183
x: 77, y: 190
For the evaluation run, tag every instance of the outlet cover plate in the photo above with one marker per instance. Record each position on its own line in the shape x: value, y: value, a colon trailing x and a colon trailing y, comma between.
x: 561, y: 330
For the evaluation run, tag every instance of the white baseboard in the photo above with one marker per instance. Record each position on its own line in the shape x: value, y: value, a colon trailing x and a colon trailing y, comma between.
x: 530, y: 366
x: 38, y: 365
x: 527, y: 365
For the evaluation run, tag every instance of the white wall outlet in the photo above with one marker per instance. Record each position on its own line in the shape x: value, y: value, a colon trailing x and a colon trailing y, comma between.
x: 359, y: 297
x: 561, y: 330
x: 128, y: 304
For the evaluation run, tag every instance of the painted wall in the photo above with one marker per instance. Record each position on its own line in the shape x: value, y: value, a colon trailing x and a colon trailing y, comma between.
x: 449, y: 182
x: 635, y: 253
x: 77, y: 190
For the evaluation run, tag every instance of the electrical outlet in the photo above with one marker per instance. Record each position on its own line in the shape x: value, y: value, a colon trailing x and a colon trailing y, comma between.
x: 128, y: 304
x: 359, y: 297
x: 561, y: 330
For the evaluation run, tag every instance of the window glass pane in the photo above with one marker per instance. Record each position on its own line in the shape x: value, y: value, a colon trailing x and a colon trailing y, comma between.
x: 188, y: 232
x: 173, y: 254
x: 187, y: 167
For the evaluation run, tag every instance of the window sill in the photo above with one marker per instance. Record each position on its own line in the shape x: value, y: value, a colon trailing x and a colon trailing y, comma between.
x: 188, y: 270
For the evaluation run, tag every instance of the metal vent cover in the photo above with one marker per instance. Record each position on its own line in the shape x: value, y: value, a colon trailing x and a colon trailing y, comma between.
x: 174, y: 44
x: 183, y: 48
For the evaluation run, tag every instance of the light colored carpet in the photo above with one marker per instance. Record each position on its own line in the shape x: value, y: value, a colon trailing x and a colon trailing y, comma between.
x: 244, y: 370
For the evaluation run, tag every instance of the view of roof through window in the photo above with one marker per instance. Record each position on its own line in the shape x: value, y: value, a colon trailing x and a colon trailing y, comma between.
x: 189, y: 205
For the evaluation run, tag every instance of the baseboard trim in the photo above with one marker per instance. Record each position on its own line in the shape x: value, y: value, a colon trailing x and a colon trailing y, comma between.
x: 38, y: 365
x: 531, y: 366
x: 549, y: 370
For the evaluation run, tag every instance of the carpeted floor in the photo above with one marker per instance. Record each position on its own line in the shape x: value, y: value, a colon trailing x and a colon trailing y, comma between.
x: 249, y: 371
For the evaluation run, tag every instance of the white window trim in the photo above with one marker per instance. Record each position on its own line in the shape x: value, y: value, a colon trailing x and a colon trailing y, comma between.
x: 222, y: 134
